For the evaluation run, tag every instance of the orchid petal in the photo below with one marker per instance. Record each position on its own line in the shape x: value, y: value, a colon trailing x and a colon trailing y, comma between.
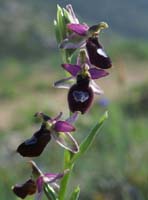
x: 39, y: 195
x: 72, y: 69
x: 63, y: 126
x: 80, y: 29
x: 73, y: 117
x: 96, y: 89
x: 39, y: 184
x: 97, y: 73
x: 57, y: 117
x: 66, y: 141
x: 36, y: 172
x: 42, y: 116
x: 72, y: 14
x: 55, y: 186
x: 72, y: 44
x: 51, y: 178
x: 65, y: 83
x: 73, y: 41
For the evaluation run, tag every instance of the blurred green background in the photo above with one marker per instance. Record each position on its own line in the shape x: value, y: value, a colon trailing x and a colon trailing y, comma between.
x: 116, y: 166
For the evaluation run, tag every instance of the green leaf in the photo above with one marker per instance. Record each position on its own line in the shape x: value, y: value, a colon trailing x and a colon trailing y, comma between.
x: 57, y: 33
x: 91, y: 136
x: 59, y: 22
x: 61, y: 25
x: 67, y: 16
x: 75, y: 194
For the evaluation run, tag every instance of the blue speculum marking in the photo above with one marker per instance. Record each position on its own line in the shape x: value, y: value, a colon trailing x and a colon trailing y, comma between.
x: 31, y: 141
x: 101, y: 52
x: 80, y: 96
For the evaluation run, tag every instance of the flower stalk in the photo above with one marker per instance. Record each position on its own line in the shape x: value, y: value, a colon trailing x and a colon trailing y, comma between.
x: 65, y: 180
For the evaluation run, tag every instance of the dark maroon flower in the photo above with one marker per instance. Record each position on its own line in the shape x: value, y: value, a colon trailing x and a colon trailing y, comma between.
x: 80, y: 95
x: 84, y: 36
x: 27, y: 188
x: 54, y: 128
x: 96, y: 54
x: 35, y: 145
x: 36, y: 185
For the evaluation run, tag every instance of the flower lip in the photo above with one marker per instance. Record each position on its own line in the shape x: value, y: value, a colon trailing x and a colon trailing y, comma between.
x: 96, y: 53
x: 35, y: 145
x: 80, y: 98
x: 83, y: 80
x: 22, y: 190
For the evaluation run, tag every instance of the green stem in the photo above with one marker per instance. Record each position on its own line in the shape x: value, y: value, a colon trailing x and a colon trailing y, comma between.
x: 67, y: 155
x: 64, y: 182
x: 65, y: 57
